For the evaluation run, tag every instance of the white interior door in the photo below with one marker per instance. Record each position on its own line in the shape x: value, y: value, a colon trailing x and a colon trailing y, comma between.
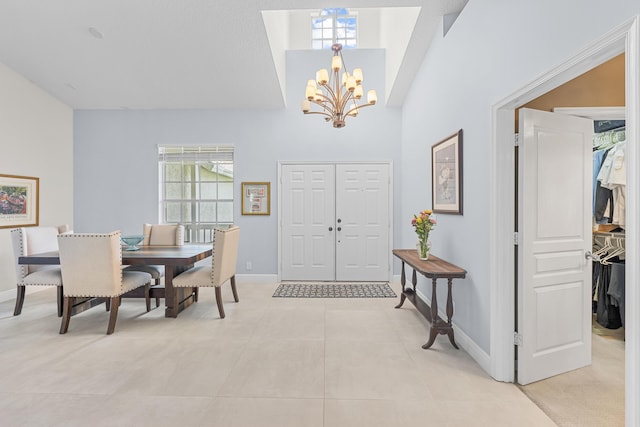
x: 362, y: 222
x: 554, y: 279
x: 308, y: 222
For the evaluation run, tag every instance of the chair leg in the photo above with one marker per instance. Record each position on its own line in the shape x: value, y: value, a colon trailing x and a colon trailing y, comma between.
x: 19, y: 300
x: 60, y: 299
x: 107, y: 304
x: 66, y: 314
x: 147, y: 296
x: 196, y: 293
x: 219, y: 301
x: 233, y: 288
x: 157, y: 298
x: 115, y: 304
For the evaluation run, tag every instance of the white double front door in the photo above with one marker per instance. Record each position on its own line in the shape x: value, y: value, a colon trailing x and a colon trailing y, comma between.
x: 335, y: 222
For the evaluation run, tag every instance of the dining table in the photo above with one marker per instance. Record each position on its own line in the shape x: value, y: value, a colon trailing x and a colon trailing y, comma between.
x: 175, y: 260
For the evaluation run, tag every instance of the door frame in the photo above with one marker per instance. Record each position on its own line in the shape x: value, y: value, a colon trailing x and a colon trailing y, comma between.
x: 363, y: 162
x: 622, y: 39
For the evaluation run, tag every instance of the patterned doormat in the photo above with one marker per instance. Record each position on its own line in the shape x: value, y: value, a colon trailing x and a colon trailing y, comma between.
x: 334, y: 290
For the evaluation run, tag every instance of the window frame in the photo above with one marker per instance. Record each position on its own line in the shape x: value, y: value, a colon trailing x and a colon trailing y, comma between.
x: 335, y: 17
x: 191, y: 182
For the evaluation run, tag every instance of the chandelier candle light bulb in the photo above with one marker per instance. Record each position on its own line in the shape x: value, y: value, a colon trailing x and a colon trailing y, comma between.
x: 333, y: 94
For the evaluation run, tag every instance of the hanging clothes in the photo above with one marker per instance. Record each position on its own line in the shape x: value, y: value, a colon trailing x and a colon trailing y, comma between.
x: 616, y: 288
x: 607, y: 314
x: 602, y: 197
x: 612, y: 176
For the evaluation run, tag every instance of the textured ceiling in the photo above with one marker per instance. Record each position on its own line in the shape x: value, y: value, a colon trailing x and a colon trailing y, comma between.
x: 170, y: 54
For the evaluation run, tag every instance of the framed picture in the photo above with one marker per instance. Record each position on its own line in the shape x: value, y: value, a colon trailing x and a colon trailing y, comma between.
x: 446, y: 175
x: 18, y: 201
x: 256, y: 198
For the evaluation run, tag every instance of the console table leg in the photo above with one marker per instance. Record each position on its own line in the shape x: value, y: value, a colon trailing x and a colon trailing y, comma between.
x: 450, y: 314
x: 403, y: 281
x: 433, y: 333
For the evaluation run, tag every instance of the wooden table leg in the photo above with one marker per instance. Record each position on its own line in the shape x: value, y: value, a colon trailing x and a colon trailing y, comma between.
x: 403, y: 281
x: 433, y: 332
x: 170, y: 297
x: 176, y: 299
x: 450, y: 314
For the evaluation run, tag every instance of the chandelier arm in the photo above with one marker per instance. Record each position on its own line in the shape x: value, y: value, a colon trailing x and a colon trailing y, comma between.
x: 330, y: 92
x: 322, y: 113
x: 357, y: 108
x: 345, y: 99
x: 323, y: 105
x: 348, y: 97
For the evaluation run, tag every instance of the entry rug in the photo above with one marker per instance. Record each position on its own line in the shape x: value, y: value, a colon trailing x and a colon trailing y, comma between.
x: 334, y: 290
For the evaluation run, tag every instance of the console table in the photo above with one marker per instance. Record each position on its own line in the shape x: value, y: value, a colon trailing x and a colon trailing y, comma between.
x: 434, y: 268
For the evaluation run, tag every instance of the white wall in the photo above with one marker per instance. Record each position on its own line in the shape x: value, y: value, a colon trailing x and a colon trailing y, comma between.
x: 116, y: 174
x: 493, y: 49
x: 36, y: 139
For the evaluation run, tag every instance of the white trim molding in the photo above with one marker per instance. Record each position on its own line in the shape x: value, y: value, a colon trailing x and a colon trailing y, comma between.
x: 625, y: 38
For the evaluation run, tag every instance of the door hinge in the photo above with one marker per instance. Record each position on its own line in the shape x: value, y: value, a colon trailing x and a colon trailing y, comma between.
x: 515, y: 238
x: 516, y: 139
x: 517, y: 339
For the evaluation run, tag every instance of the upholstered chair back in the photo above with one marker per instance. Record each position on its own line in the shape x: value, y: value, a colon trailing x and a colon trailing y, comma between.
x: 225, y: 254
x: 33, y: 240
x: 163, y: 234
x: 92, y: 264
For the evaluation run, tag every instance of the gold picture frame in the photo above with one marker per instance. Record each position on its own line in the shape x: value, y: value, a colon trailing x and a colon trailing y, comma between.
x: 446, y: 175
x: 19, y: 201
x: 256, y: 198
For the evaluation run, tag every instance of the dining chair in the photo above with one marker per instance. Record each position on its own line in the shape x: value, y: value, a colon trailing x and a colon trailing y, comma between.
x: 159, y: 235
x: 29, y: 241
x: 221, y: 270
x: 91, y: 266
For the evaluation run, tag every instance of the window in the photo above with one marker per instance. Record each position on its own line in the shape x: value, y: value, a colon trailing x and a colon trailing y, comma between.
x: 196, y: 188
x: 333, y: 25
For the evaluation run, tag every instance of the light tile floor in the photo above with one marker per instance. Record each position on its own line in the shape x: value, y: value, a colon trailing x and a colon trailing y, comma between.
x: 272, y: 362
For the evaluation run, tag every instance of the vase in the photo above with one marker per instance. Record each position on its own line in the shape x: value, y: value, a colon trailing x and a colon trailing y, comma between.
x: 424, y: 248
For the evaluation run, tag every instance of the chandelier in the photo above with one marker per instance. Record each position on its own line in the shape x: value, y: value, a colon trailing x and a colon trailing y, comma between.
x: 334, y: 95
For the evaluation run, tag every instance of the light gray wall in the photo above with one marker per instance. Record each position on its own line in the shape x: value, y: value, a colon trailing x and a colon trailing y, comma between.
x: 116, y: 173
x: 493, y: 49
x: 36, y: 140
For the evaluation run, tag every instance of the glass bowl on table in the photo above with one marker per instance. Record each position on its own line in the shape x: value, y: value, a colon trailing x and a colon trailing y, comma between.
x: 132, y: 242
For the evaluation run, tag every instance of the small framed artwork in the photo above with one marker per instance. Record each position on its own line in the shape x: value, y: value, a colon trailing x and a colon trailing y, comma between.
x: 446, y: 175
x: 256, y: 198
x: 18, y: 201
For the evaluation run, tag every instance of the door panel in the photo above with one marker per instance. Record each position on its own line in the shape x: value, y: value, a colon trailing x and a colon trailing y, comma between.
x: 554, y: 283
x: 308, y: 209
x: 362, y: 220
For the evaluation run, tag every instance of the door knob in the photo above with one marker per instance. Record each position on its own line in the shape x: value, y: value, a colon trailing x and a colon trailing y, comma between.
x: 339, y: 228
x: 330, y: 228
x: 589, y: 255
